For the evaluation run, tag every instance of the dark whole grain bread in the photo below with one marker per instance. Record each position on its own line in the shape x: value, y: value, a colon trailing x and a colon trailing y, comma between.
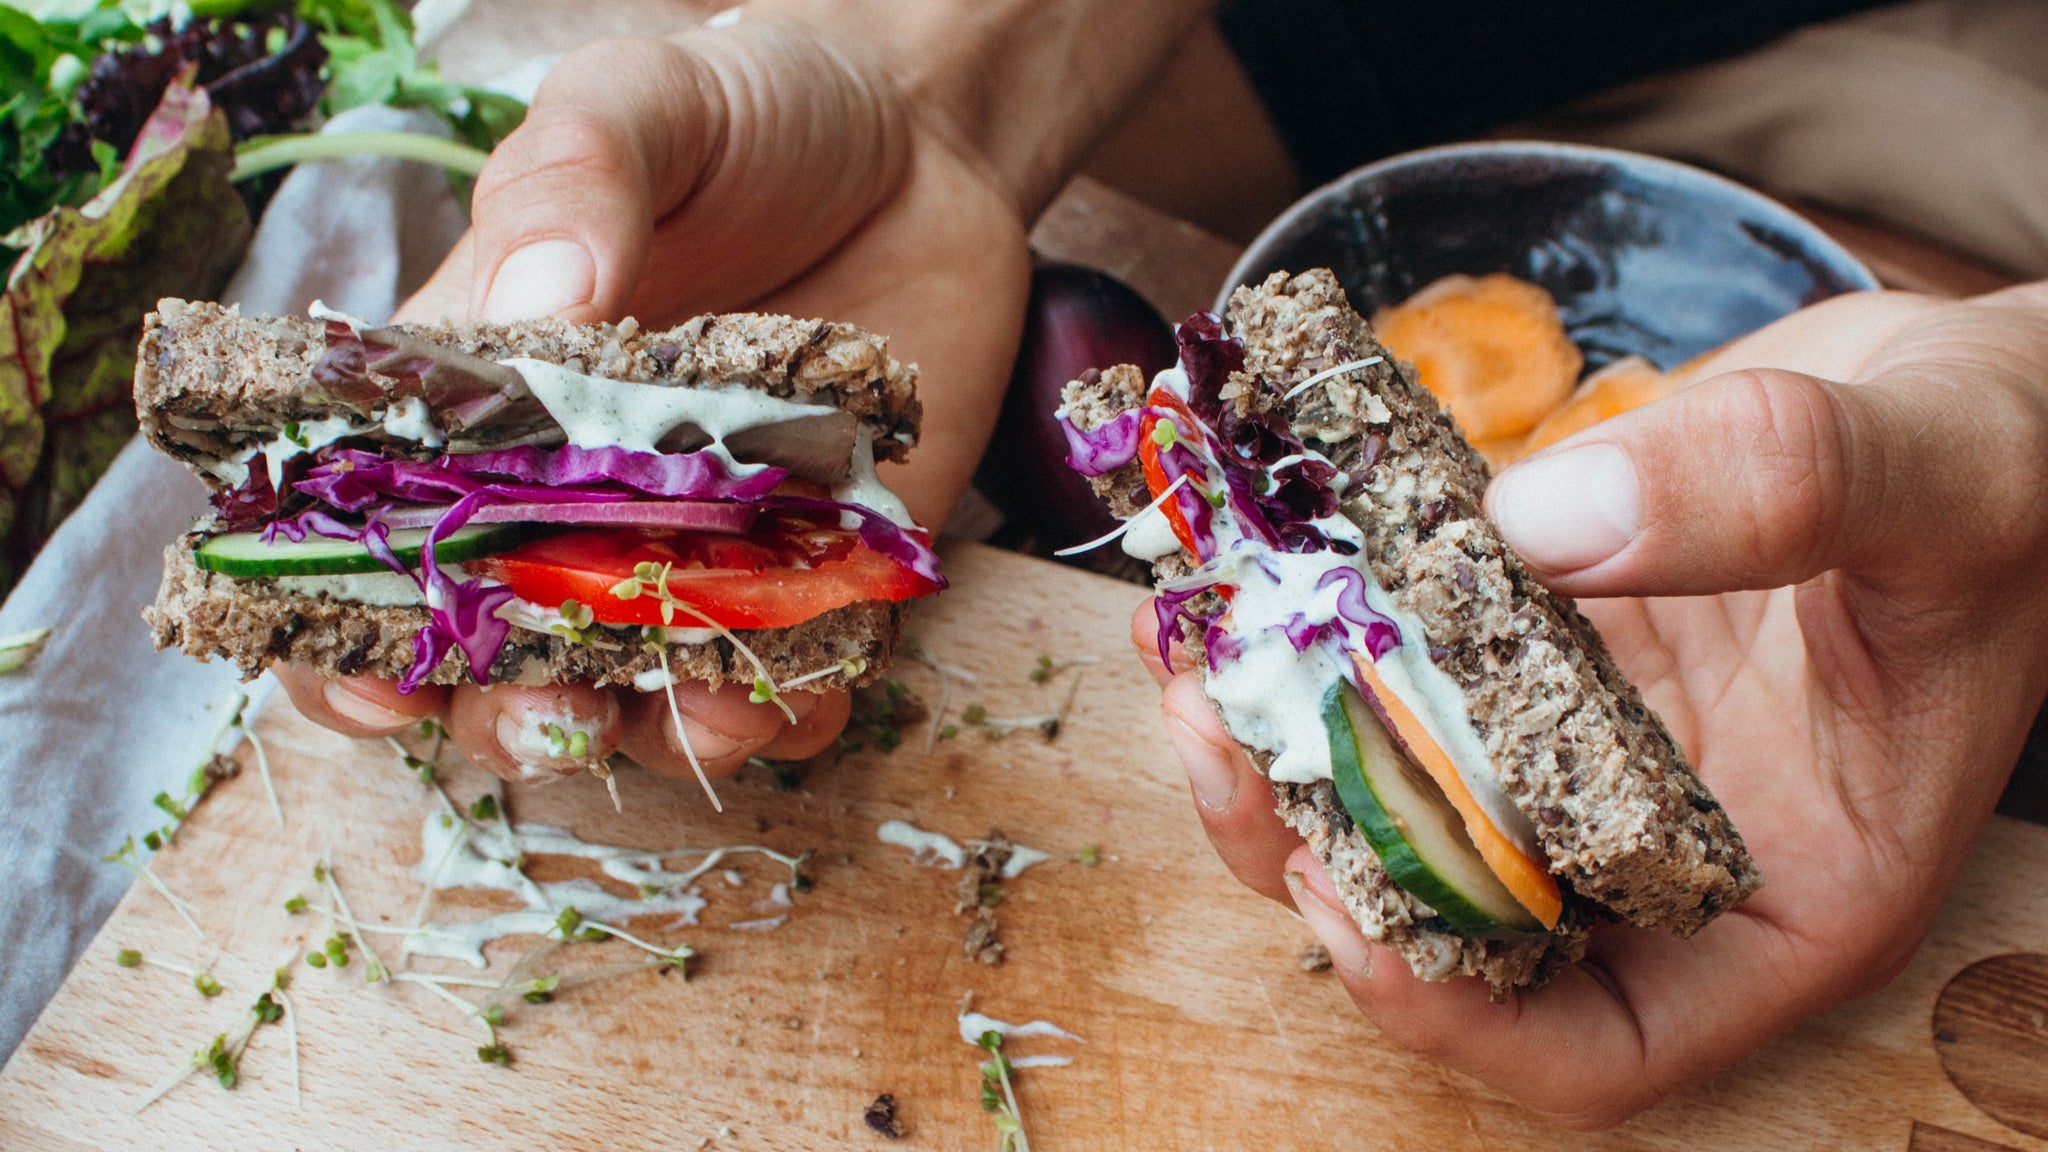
x: 1624, y: 820
x: 209, y: 380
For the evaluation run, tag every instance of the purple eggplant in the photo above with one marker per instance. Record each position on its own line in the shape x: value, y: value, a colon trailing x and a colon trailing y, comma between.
x: 1078, y: 319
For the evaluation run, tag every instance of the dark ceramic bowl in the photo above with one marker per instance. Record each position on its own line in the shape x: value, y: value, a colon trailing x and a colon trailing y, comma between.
x: 1643, y: 256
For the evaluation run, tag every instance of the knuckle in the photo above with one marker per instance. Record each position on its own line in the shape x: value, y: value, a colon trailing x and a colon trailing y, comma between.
x: 1787, y: 441
x: 554, y: 147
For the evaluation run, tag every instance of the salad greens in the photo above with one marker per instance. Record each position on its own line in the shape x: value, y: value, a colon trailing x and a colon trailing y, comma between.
x: 133, y: 138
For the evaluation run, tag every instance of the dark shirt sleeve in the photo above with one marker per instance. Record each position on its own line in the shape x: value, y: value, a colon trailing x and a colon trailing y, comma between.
x: 1350, y: 81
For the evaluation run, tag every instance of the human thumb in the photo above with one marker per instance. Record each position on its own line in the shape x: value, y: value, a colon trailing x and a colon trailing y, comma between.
x: 1758, y: 479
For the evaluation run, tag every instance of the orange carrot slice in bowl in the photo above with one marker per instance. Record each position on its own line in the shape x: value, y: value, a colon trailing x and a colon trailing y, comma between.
x: 1491, y: 348
x: 1630, y: 382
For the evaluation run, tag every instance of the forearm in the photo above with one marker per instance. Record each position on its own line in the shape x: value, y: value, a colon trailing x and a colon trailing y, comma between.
x: 1026, y: 87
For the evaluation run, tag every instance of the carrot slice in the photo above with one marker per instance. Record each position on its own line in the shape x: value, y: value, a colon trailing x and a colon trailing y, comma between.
x: 1491, y: 348
x: 1526, y: 878
x: 1630, y: 382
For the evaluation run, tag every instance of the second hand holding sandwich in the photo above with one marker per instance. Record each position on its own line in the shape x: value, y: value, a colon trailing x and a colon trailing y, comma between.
x: 1476, y: 776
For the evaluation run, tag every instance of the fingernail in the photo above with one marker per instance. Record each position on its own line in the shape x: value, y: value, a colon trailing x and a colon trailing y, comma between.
x: 1568, y: 511
x: 1210, y: 773
x: 540, y: 280
x: 525, y: 737
x: 1347, y: 946
x: 708, y: 745
x: 357, y: 708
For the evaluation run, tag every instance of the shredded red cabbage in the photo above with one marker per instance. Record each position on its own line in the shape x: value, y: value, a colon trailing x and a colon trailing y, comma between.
x: 1103, y: 450
x: 686, y: 475
x: 463, y: 614
x: 1169, y: 608
x: 1381, y: 634
x: 1208, y: 357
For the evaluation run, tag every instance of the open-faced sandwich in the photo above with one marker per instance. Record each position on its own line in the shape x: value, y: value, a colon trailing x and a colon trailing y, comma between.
x: 1453, y: 741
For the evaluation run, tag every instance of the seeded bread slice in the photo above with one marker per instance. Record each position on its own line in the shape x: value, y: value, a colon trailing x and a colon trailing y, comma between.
x: 209, y: 380
x: 1617, y: 808
x: 251, y: 623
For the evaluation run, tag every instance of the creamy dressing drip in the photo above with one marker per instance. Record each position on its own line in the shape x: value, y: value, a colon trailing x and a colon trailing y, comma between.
x: 1271, y: 696
x: 597, y: 412
x: 384, y: 590
x: 973, y: 1024
x: 454, y: 854
x: 1150, y: 536
x: 927, y: 848
x: 409, y: 419
x: 933, y: 850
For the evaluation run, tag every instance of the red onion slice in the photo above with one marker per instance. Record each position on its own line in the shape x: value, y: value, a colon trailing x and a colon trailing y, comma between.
x: 681, y: 515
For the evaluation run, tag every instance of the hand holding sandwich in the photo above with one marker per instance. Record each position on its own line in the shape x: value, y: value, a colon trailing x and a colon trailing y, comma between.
x: 760, y: 167
x: 1842, y: 535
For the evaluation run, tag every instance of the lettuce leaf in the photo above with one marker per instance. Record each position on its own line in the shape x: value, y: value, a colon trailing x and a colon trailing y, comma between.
x: 169, y: 225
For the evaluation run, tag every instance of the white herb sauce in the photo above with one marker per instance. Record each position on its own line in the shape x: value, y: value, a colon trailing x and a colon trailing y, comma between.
x: 1150, y: 536
x: 927, y: 848
x: 408, y: 419
x: 1022, y: 858
x: 601, y: 413
x: 458, y: 855
x: 1271, y: 696
x: 376, y: 589
x: 313, y: 435
x: 973, y: 1024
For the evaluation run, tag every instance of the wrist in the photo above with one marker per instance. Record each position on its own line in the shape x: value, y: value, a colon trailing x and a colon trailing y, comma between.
x: 1023, y: 88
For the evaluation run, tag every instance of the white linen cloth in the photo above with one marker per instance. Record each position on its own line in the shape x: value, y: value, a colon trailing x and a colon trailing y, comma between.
x: 100, y: 722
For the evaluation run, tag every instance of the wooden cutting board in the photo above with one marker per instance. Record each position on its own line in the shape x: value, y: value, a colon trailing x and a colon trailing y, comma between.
x: 1201, y: 1029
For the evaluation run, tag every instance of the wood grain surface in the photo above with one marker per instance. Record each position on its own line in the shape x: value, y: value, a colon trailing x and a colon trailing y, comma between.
x: 1201, y: 1029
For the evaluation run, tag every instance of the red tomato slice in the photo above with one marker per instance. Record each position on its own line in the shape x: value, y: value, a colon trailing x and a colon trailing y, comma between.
x: 790, y: 572
x: 1155, y: 475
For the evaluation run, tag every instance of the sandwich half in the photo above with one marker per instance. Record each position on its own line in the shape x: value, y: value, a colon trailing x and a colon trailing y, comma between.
x: 1452, y: 740
x: 536, y: 503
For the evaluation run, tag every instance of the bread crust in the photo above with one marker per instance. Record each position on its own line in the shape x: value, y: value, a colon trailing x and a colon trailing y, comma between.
x: 252, y: 623
x: 209, y: 380
x: 1618, y: 810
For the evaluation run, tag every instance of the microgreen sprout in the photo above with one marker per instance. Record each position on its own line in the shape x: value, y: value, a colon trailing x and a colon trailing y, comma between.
x: 296, y: 904
x: 316, y: 959
x: 17, y: 650
x: 485, y: 808
x: 850, y: 667
x: 537, y: 991
x: 1165, y: 433
x: 1089, y: 855
x: 1327, y: 373
x: 998, y: 1097
x: 1046, y: 668
x: 495, y: 1053
x: 654, y: 581
x: 207, y: 985
x: 655, y: 644
x: 974, y: 714
x: 128, y: 958
x: 578, y: 624
x: 573, y: 743
x: 127, y: 857
x: 293, y: 433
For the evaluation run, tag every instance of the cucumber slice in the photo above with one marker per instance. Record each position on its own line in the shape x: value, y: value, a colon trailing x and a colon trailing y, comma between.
x: 1420, y: 838
x: 245, y: 556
